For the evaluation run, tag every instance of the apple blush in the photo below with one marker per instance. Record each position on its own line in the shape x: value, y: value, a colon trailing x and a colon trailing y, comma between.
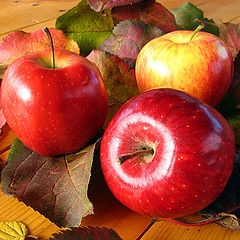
x: 54, y: 110
x: 166, y: 154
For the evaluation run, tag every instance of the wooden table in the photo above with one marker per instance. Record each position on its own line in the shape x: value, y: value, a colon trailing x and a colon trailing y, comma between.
x: 30, y: 15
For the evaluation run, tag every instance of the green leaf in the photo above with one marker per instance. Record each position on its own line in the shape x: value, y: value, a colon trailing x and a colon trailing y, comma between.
x: 87, y: 27
x: 86, y: 233
x: 55, y: 186
x: 186, y: 15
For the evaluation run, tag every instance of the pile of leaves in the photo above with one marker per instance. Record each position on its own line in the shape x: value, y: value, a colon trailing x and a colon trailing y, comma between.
x: 110, y: 34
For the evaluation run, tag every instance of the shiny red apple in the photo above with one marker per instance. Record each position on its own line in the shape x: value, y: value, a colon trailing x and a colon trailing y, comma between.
x: 166, y: 154
x: 201, y: 65
x: 54, y: 111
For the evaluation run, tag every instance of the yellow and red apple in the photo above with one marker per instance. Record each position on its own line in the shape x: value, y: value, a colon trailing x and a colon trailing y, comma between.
x: 198, y: 63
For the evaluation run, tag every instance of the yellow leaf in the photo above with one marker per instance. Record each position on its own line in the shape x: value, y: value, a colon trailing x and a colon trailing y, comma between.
x: 12, y: 230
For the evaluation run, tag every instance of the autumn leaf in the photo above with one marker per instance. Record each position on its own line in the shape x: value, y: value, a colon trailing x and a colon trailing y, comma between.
x: 99, y: 5
x: 87, y: 27
x: 230, y: 33
x: 150, y: 12
x: 186, y: 16
x: 54, y: 186
x: 118, y: 78
x: 14, y: 230
x: 86, y: 233
x: 20, y: 43
x: 128, y: 38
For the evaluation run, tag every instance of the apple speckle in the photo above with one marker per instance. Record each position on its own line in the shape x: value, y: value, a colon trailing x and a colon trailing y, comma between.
x: 196, y: 196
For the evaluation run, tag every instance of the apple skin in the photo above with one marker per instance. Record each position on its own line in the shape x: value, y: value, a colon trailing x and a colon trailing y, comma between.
x: 202, y: 67
x: 193, y: 154
x: 54, y: 111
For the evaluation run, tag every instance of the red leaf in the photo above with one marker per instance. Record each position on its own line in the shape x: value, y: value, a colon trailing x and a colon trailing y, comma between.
x: 230, y: 33
x: 56, y: 187
x: 128, y: 38
x: 99, y: 5
x: 20, y: 43
x: 118, y: 78
x: 150, y: 12
x: 86, y: 233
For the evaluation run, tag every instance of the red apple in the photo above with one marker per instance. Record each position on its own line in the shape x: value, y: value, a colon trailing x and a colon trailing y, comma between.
x: 54, y: 111
x: 166, y: 154
x: 201, y: 66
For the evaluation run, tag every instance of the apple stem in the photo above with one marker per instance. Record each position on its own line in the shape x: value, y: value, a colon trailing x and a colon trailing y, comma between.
x: 142, y: 152
x: 46, y: 30
x: 206, y: 23
x: 199, y: 28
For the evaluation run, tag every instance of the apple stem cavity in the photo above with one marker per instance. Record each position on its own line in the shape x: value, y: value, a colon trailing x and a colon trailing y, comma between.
x: 199, y: 28
x: 140, y: 153
x: 47, y: 32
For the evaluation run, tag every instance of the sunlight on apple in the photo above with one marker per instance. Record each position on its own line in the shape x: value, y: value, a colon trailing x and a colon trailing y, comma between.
x: 24, y: 93
x: 161, y: 68
x: 222, y: 51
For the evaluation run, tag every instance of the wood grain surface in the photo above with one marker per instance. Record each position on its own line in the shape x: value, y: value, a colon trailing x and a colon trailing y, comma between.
x: 30, y: 15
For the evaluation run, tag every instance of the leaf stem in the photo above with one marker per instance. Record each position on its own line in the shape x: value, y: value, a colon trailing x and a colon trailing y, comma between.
x: 199, y: 28
x: 210, y: 219
x: 46, y: 30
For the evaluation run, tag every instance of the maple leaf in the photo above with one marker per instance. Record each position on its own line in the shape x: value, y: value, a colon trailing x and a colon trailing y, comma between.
x: 230, y: 34
x: 118, y: 78
x: 87, y: 27
x: 128, y: 38
x: 86, y: 233
x: 20, y: 43
x: 150, y: 12
x: 54, y: 186
x: 99, y: 5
